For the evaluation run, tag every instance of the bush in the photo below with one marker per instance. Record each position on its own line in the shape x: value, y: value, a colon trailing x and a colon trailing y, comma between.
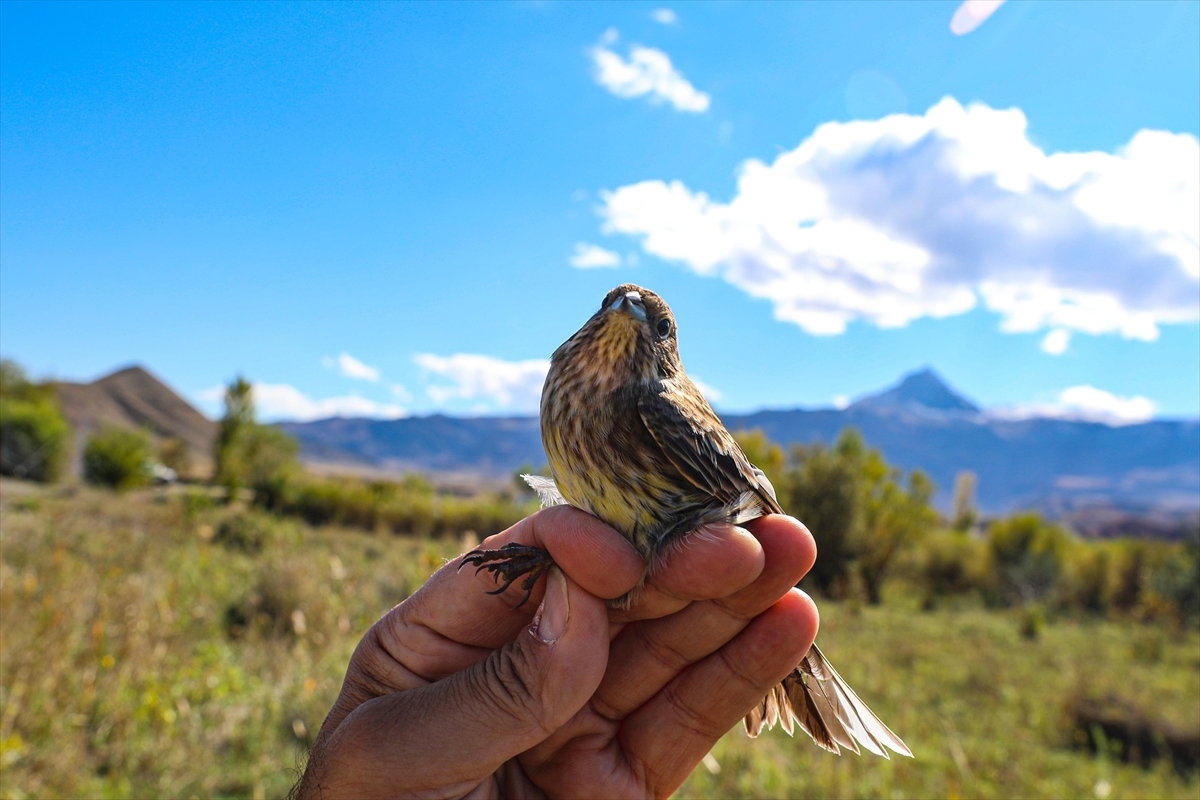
x: 118, y: 458
x: 949, y: 564
x: 176, y: 454
x: 1177, y: 581
x: 410, y: 506
x: 245, y: 533
x: 34, y: 435
x: 1027, y: 557
x: 1086, y: 582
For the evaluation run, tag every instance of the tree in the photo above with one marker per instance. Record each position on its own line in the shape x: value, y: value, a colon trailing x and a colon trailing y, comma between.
x: 34, y: 435
x: 823, y: 491
x: 856, y: 505
x: 239, y: 415
x: 964, y: 514
x: 251, y: 455
x: 895, y: 518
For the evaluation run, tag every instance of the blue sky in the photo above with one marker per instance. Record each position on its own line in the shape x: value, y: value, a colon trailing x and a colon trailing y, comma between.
x: 375, y: 209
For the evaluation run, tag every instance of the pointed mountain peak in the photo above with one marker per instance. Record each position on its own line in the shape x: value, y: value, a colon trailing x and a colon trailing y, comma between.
x: 922, y: 390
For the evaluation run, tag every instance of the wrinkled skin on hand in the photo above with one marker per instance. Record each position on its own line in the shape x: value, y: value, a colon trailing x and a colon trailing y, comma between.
x: 453, y: 693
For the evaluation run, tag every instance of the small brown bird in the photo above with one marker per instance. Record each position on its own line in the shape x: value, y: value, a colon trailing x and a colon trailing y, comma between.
x: 631, y: 440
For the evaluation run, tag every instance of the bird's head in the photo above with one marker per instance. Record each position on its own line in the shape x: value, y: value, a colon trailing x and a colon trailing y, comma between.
x: 631, y: 337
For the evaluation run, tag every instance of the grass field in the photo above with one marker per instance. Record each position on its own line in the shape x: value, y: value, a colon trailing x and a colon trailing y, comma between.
x: 156, y: 644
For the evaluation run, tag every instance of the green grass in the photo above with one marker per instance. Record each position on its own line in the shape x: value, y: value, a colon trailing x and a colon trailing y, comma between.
x: 984, y: 710
x: 150, y: 646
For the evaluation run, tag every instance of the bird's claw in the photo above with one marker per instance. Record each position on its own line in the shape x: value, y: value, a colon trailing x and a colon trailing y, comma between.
x: 510, y: 563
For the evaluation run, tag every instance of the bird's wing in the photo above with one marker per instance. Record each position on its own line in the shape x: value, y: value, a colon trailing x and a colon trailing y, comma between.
x: 693, y: 438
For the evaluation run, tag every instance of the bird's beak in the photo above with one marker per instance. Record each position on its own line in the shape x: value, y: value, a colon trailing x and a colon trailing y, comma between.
x: 630, y: 303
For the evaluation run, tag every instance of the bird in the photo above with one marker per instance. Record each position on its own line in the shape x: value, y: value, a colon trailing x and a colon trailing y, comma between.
x: 630, y: 439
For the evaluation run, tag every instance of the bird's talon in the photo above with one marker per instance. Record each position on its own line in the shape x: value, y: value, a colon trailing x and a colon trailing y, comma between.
x: 510, y: 563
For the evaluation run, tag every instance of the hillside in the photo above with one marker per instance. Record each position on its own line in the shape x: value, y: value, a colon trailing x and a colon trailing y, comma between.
x: 1054, y: 465
x: 135, y: 398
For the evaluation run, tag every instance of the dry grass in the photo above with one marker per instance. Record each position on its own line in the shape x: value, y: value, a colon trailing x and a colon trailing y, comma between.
x: 141, y: 658
x: 152, y: 644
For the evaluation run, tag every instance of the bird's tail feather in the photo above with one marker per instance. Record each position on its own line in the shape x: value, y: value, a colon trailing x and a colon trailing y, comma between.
x: 816, y: 699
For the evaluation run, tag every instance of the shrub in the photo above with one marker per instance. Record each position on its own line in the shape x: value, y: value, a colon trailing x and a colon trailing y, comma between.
x: 410, y: 506
x: 949, y: 564
x: 1027, y: 558
x: 34, y: 435
x: 1177, y: 580
x: 176, y: 454
x: 1086, y: 582
x: 118, y: 458
x: 242, y: 532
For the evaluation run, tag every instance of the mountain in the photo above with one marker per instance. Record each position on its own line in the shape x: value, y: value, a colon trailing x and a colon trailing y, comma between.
x: 489, y: 446
x: 920, y: 392
x: 134, y: 398
x: 1053, y: 465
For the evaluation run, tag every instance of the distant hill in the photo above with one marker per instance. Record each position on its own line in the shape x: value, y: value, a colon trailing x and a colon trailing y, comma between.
x: 920, y: 392
x: 134, y: 398
x: 1054, y: 465
x: 489, y: 446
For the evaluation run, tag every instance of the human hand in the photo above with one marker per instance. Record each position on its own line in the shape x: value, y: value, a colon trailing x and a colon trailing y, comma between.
x: 454, y: 693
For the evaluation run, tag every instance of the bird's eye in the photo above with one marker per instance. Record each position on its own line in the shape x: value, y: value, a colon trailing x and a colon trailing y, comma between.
x: 663, y: 328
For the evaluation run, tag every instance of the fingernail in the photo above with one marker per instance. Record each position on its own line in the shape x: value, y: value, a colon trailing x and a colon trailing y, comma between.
x: 552, y: 616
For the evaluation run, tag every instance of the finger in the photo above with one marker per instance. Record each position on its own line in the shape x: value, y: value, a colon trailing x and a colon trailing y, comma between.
x: 669, y: 735
x: 714, y: 561
x: 649, y: 654
x: 595, y: 555
x: 483, y: 715
x: 451, y: 622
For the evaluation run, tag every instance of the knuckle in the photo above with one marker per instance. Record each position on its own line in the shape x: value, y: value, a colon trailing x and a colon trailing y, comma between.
x: 660, y: 651
x: 511, y: 679
x: 736, y: 610
x: 689, y: 717
x: 737, y: 670
x: 605, y: 709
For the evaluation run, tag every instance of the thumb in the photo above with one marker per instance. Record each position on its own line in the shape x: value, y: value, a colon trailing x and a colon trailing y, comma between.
x: 461, y: 729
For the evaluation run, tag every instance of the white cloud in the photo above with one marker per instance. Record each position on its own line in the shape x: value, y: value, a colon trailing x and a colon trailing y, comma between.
x: 841, y: 402
x: 648, y: 72
x: 591, y: 256
x: 1056, y: 342
x: 212, y: 395
x: 278, y: 401
x: 971, y: 14
x: 912, y: 216
x: 664, y: 16
x: 711, y: 394
x: 1086, y: 403
x: 351, y: 367
x: 511, y: 384
x: 281, y: 401
x: 400, y: 393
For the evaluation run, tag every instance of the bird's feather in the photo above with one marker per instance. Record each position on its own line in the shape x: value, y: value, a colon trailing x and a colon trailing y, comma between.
x: 546, y: 490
